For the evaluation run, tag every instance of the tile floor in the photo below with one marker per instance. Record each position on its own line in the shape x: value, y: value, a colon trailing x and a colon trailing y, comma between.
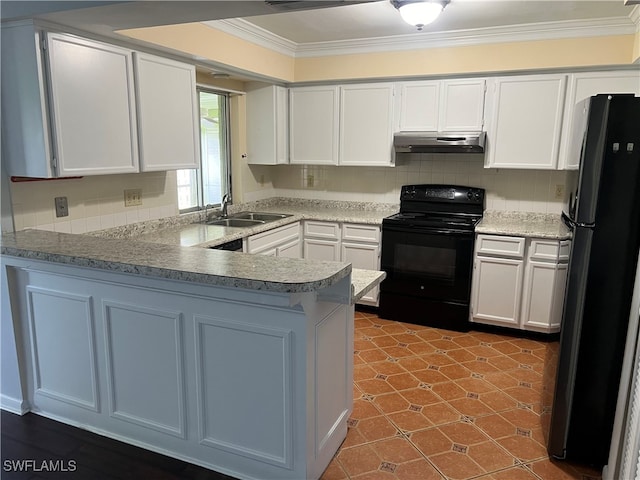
x: 432, y: 404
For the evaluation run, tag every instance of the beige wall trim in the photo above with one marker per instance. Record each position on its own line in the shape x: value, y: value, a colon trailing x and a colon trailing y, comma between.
x: 570, y: 54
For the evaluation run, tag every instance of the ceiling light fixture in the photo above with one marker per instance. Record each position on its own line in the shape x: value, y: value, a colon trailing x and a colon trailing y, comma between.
x: 419, y: 12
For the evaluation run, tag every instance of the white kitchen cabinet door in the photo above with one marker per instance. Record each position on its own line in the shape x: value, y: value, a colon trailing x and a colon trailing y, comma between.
x: 366, y: 125
x: 271, y: 242
x: 292, y: 249
x: 580, y: 87
x: 497, y: 286
x: 419, y: 106
x: 168, y: 113
x: 461, y: 105
x: 543, y: 296
x: 525, y: 121
x: 26, y: 144
x: 317, y: 249
x: 313, y: 125
x: 267, y: 125
x: 93, y: 106
x: 365, y: 256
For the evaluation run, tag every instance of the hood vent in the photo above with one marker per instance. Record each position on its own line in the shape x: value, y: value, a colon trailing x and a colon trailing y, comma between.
x: 433, y: 142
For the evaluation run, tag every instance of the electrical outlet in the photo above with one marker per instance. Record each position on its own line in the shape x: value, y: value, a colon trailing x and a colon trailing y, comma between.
x: 132, y: 197
x: 62, y: 207
x: 310, y: 180
x: 559, y: 193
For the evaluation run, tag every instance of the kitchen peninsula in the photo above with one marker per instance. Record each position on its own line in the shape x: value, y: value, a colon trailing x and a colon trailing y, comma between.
x: 239, y: 363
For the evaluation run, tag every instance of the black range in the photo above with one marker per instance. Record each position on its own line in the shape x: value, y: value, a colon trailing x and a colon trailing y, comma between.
x: 427, y: 253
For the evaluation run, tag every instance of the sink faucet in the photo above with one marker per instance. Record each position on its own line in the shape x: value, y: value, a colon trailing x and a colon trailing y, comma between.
x: 226, y: 199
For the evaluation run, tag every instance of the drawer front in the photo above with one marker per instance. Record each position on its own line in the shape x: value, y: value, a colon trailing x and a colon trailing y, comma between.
x: 328, y: 230
x: 273, y: 238
x: 550, y: 250
x: 565, y: 250
x: 544, y: 250
x: 360, y: 233
x: 498, y: 245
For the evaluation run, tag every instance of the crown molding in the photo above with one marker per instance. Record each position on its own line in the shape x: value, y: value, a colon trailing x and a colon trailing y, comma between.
x: 635, y: 17
x: 417, y: 41
x: 250, y: 32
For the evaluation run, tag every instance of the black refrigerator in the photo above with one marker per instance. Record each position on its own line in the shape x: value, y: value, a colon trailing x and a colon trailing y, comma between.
x: 605, y: 220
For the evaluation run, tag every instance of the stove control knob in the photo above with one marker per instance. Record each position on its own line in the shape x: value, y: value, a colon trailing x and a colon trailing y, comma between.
x: 469, y: 194
x: 477, y: 196
x: 412, y: 193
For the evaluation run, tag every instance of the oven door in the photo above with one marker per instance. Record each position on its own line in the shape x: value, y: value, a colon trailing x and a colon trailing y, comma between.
x: 427, y: 263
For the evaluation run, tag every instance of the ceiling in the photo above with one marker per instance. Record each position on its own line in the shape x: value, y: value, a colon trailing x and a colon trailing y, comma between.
x: 379, y: 19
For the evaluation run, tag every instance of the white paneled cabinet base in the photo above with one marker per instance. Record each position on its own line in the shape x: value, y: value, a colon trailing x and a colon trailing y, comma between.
x: 251, y: 383
x: 519, y: 282
x: 353, y: 243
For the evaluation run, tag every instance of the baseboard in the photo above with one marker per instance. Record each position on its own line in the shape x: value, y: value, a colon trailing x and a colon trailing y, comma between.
x: 13, y: 405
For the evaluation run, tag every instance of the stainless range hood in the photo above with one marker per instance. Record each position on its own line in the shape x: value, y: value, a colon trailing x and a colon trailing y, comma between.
x: 433, y: 142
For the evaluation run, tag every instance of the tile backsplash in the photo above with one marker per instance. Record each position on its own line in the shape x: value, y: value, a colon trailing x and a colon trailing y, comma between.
x: 95, y: 202
x: 507, y: 190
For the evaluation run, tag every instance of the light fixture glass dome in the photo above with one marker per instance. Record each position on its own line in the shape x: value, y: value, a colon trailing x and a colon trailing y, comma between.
x: 420, y: 13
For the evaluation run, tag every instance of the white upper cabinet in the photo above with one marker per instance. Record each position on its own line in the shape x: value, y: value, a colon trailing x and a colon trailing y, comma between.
x: 419, y: 106
x: 92, y: 106
x: 26, y: 146
x: 525, y: 120
x: 581, y: 86
x: 462, y: 105
x: 313, y: 127
x: 168, y: 113
x: 442, y: 105
x: 341, y: 125
x: 366, y: 124
x: 267, y: 125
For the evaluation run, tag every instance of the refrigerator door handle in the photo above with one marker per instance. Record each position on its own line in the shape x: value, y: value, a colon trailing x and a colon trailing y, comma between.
x: 569, y: 222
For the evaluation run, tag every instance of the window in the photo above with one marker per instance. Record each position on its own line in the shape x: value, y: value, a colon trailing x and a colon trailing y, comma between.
x: 206, y: 186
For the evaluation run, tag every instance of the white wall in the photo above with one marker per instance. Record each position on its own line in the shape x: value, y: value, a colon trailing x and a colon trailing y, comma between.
x: 507, y: 190
x: 95, y: 202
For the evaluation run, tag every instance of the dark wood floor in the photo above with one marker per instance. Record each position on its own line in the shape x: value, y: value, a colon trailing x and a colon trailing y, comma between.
x: 32, y: 437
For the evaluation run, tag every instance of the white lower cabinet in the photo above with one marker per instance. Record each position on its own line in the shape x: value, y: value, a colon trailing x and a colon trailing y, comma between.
x: 498, y: 289
x: 357, y: 244
x: 280, y: 242
x: 321, y: 240
x: 519, y: 283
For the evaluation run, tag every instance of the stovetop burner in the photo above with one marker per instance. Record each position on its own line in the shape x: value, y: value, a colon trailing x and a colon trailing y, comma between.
x: 439, y: 206
x: 433, y: 220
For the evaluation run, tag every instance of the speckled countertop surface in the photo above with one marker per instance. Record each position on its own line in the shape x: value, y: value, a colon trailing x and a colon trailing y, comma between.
x: 211, y: 267
x: 363, y: 281
x: 524, y: 224
x: 182, y: 231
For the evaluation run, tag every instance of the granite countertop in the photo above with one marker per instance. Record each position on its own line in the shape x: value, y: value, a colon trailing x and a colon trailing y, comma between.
x: 184, y: 231
x: 362, y: 281
x: 524, y: 224
x: 205, y: 266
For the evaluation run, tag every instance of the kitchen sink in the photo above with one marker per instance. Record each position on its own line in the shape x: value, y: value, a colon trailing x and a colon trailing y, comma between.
x: 265, y: 217
x: 235, y: 222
